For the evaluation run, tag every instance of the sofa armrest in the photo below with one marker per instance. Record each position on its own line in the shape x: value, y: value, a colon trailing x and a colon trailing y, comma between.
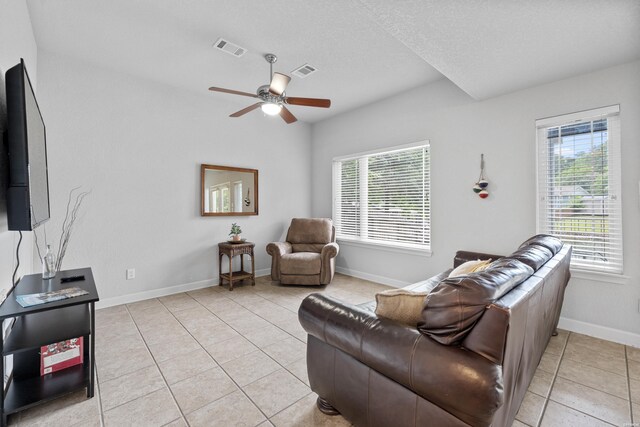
x: 460, y: 381
x: 464, y: 256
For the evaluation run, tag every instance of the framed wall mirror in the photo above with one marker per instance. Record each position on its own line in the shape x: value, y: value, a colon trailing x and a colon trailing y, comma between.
x: 228, y: 191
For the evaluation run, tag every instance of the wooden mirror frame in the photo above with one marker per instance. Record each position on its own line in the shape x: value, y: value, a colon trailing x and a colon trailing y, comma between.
x: 205, y: 167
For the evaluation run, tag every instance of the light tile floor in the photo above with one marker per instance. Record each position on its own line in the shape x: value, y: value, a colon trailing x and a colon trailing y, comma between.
x: 213, y: 357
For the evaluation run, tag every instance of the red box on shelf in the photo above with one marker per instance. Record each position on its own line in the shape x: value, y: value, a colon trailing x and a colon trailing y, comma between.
x: 61, y: 355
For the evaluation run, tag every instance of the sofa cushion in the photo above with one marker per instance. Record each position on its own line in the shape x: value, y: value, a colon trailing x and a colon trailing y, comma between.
x: 533, y: 255
x: 300, y: 263
x: 310, y: 230
x: 470, y: 267
x: 552, y: 243
x: 455, y: 305
x: 401, y: 305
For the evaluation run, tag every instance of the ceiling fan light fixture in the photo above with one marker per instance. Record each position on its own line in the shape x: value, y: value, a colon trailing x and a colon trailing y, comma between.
x: 271, y: 108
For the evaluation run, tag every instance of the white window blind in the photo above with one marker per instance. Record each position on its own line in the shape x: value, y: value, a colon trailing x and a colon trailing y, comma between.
x: 579, y: 186
x: 383, y: 197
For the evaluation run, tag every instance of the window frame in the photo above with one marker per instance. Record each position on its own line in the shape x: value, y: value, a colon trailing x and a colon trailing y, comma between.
x: 614, y: 141
x: 390, y: 246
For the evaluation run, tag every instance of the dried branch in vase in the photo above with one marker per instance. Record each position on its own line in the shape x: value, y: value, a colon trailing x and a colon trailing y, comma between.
x: 71, y: 215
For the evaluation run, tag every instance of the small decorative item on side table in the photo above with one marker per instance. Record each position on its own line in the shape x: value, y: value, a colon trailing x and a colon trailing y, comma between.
x: 48, y: 264
x: 230, y: 250
x: 235, y: 233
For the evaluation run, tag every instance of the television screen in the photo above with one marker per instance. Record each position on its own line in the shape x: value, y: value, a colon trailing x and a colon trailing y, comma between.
x: 28, y: 194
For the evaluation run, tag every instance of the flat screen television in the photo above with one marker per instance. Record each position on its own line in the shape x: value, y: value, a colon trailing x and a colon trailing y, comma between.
x: 28, y: 192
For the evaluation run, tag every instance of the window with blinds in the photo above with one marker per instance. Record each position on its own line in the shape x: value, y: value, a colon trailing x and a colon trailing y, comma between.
x: 383, y: 197
x: 579, y: 186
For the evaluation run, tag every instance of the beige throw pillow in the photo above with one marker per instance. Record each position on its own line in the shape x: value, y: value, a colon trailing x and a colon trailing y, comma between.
x: 470, y: 267
x: 401, y: 305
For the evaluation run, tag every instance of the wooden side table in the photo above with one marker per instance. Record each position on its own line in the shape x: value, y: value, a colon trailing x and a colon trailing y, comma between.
x: 231, y: 250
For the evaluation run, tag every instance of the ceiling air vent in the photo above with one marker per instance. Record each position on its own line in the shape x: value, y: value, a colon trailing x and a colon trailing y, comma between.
x: 304, y: 71
x: 231, y: 48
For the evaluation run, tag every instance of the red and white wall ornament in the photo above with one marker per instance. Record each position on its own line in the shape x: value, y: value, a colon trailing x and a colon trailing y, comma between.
x: 481, y: 186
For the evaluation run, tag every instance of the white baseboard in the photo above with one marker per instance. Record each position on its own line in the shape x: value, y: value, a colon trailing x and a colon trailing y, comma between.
x: 263, y: 272
x: 372, y: 277
x: 602, y: 332
x: 162, y: 292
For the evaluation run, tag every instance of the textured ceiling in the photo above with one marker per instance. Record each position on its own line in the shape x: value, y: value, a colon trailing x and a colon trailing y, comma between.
x: 365, y: 50
x: 170, y: 41
x: 489, y: 48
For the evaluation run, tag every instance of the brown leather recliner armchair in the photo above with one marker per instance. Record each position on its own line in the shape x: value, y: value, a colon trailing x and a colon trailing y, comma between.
x: 308, y: 255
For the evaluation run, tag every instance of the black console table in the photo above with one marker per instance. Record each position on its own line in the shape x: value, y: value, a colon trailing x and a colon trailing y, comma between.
x: 41, y: 325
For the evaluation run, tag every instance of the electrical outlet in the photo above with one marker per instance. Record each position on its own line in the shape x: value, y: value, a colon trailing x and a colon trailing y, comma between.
x: 131, y: 273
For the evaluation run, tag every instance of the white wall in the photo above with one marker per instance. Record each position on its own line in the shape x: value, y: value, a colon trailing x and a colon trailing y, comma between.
x: 16, y: 41
x: 138, y: 147
x: 502, y: 128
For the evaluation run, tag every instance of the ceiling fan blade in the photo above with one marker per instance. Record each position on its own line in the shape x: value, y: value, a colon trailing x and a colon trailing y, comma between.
x: 287, y: 116
x: 246, y: 110
x: 233, y: 92
x: 279, y: 83
x: 308, y: 102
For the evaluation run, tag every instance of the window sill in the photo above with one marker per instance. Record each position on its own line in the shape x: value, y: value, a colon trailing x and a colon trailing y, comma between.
x: 596, y: 276
x: 389, y: 247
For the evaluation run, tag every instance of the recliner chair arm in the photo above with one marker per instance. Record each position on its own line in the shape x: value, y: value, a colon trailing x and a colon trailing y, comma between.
x: 279, y: 248
x: 276, y: 250
x: 330, y: 250
x: 328, y: 255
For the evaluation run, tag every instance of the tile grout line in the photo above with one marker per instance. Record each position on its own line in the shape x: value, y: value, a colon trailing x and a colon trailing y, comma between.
x: 553, y: 382
x: 575, y: 382
x: 589, y: 387
x: 97, y: 385
x: 267, y: 320
x: 258, y: 349
x: 284, y: 409
x: 219, y: 365
x: 157, y: 367
x: 583, y: 413
x: 245, y: 306
x: 595, y: 367
x: 128, y: 373
x: 626, y: 364
x: 578, y: 410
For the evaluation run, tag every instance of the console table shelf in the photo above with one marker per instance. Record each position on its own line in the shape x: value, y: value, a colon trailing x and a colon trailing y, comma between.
x: 47, y: 327
x: 28, y: 392
x: 44, y: 324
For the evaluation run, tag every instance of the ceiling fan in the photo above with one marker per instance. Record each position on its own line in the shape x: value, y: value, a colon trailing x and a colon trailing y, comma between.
x: 273, y: 97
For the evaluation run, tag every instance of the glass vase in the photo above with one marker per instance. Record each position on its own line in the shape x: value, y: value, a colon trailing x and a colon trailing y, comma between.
x: 48, y: 264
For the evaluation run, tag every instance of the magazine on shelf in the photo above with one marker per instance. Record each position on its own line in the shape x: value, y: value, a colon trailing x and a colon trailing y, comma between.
x: 29, y: 300
x: 61, y: 355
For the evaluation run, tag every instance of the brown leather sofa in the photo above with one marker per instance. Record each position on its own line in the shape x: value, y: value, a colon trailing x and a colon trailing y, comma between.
x: 308, y: 255
x: 468, y: 363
